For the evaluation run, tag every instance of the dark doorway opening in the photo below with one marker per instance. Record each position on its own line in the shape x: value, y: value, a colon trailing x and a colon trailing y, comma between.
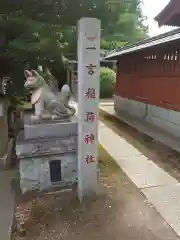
x: 55, y: 171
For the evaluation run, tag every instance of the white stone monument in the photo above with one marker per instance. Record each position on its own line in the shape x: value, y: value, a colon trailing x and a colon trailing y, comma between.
x: 88, y: 105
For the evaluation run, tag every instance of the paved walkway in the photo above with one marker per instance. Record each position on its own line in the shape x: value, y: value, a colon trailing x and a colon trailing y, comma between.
x: 144, y: 127
x: 162, y: 190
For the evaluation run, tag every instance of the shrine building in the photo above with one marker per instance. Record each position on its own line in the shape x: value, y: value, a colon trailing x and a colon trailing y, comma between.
x: 148, y: 77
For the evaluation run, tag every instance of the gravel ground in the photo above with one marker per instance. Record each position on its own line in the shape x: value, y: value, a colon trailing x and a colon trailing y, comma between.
x: 119, y: 212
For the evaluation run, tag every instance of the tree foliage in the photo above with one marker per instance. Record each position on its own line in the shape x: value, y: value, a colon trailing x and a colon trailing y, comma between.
x: 127, y: 27
x: 40, y: 32
x: 107, y: 82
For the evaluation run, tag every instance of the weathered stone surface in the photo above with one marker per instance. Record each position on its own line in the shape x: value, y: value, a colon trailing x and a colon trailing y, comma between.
x: 51, y: 129
x: 46, y: 146
x: 165, y: 119
x: 35, y: 172
x: 47, y: 155
x: 27, y: 185
x: 3, y: 106
x: 5, y: 144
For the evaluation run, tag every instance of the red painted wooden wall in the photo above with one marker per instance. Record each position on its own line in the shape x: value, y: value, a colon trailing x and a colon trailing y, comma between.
x: 154, y: 79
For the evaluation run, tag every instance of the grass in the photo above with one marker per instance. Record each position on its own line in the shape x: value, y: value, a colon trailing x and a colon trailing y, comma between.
x: 106, y: 160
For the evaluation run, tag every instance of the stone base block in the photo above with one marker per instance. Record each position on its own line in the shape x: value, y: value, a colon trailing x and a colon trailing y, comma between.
x: 48, y: 155
x: 45, y: 146
x: 43, y: 173
x: 51, y: 129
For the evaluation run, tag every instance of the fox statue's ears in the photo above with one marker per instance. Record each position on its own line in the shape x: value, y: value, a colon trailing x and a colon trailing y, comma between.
x: 27, y: 74
x: 34, y: 73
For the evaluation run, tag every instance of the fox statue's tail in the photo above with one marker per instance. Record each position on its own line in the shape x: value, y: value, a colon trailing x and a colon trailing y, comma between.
x: 64, y: 97
x: 71, y: 109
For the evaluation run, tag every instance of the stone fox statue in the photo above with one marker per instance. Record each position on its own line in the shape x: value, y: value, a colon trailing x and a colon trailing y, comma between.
x: 57, y: 105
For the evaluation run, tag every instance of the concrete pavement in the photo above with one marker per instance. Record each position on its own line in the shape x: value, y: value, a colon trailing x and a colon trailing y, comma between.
x: 161, y: 189
x: 143, y: 127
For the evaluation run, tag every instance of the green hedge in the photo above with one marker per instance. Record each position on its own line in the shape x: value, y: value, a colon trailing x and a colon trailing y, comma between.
x: 107, y: 82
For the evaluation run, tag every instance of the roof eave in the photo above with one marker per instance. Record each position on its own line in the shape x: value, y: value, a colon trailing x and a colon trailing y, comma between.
x: 167, y: 13
x: 148, y: 43
x: 164, y: 11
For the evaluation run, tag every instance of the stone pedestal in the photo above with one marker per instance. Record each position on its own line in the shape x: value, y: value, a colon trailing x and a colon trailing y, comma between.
x: 48, y: 155
x: 50, y: 129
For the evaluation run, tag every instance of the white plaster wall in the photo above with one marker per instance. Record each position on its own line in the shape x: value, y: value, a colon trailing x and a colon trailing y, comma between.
x: 167, y: 120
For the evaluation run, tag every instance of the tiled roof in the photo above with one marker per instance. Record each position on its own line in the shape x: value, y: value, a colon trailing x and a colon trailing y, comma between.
x: 147, y: 43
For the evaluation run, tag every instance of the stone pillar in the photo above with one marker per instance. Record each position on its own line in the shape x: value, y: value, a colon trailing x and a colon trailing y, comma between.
x: 3, y: 135
x: 88, y: 105
x: 3, y: 130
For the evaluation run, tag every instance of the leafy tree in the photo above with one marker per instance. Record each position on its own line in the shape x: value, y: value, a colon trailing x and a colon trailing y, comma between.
x: 40, y: 32
x: 52, y: 25
x: 123, y: 25
x: 112, y: 44
x: 35, y: 31
x: 128, y: 24
x: 107, y: 82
